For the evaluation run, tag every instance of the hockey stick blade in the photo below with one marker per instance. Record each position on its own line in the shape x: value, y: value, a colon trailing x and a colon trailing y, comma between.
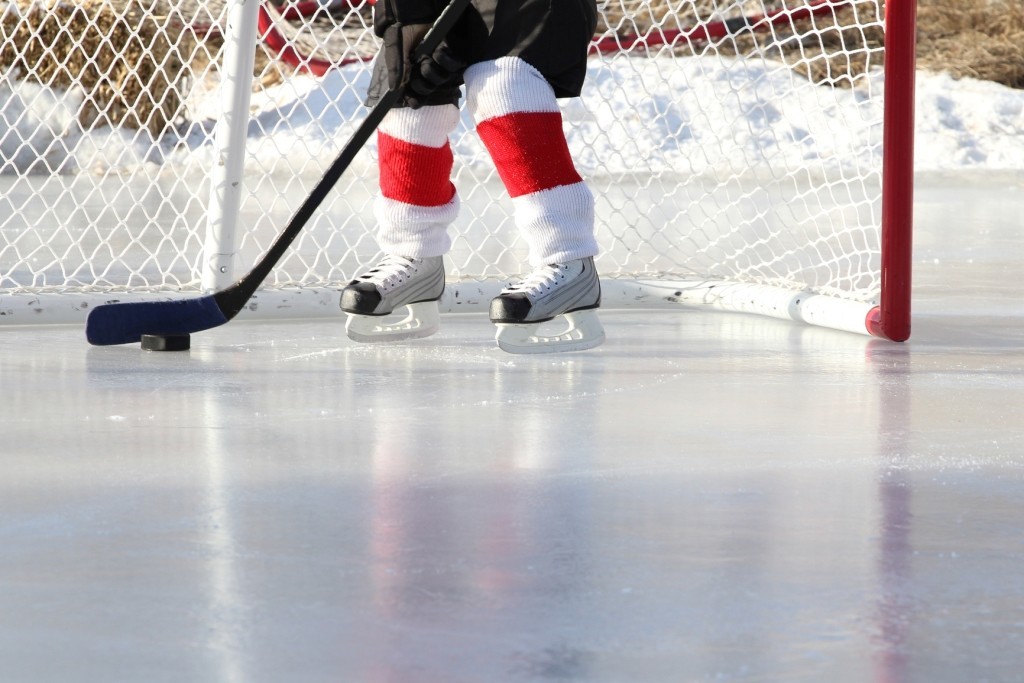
x: 125, y: 322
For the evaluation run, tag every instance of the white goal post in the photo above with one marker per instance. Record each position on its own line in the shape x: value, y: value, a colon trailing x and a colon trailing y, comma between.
x: 748, y: 155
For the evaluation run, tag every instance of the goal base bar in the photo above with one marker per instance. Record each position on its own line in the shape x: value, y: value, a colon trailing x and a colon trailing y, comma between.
x: 736, y: 297
x: 774, y: 302
x: 474, y: 296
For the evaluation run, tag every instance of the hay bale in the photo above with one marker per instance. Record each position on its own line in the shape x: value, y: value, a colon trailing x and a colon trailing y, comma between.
x: 835, y: 48
x: 981, y: 39
x: 828, y: 49
x: 126, y: 61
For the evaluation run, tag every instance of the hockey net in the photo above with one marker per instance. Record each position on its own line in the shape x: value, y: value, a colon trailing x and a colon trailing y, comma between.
x: 735, y: 148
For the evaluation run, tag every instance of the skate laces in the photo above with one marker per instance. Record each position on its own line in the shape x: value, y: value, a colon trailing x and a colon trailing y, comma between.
x: 391, y: 270
x: 541, y: 280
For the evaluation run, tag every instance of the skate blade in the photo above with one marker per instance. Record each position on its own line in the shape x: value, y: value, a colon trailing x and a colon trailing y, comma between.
x: 421, y: 320
x: 584, y: 332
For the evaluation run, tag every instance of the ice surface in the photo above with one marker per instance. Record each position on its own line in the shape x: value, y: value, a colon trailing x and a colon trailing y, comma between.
x: 705, y: 497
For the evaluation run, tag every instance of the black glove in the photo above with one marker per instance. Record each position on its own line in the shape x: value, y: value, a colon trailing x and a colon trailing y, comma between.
x: 431, y: 73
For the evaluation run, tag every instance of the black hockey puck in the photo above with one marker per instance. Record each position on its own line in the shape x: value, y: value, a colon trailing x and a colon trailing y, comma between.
x: 166, y: 342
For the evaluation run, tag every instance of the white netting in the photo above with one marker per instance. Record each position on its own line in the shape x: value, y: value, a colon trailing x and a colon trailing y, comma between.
x: 735, y: 140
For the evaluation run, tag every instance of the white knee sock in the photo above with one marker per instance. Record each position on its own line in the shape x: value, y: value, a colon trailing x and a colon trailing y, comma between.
x: 417, y: 202
x: 518, y: 119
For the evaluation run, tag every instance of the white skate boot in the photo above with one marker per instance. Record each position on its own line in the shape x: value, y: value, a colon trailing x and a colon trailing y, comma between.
x: 415, y: 283
x: 570, y: 290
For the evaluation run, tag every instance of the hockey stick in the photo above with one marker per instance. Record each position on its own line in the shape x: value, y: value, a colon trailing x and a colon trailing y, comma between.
x: 126, y: 322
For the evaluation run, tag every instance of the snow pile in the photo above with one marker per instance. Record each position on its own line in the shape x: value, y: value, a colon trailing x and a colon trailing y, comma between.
x: 625, y: 120
x: 968, y: 124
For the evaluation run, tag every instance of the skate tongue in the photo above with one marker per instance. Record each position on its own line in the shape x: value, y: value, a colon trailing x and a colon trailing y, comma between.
x: 537, y: 281
x: 389, y: 268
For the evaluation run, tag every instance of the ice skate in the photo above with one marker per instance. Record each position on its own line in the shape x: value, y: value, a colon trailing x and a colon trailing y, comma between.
x: 395, y: 282
x: 563, y: 290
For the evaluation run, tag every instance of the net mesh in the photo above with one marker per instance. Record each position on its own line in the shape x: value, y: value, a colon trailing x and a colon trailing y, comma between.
x: 723, y: 140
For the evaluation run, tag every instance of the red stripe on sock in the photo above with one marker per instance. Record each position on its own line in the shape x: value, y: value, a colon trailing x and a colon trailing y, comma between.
x: 415, y: 174
x: 529, y: 151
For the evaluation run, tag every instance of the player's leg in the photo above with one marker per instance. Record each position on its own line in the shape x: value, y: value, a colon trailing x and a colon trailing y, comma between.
x: 417, y: 202
x: 518, y: 120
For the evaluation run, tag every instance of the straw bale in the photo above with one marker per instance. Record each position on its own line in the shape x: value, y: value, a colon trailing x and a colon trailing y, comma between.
x: 978, y: 38
x: 981, y: 39
x: 126, y: 60
x: 829, y: 48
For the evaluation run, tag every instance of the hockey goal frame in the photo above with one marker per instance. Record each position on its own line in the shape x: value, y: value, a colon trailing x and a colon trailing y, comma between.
x: 886, y: 316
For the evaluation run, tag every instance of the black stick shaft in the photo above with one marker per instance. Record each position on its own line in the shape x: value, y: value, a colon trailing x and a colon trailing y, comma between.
x: 232, y: 299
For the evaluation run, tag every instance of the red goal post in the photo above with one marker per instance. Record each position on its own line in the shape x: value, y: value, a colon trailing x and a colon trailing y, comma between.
x: 748, y: 155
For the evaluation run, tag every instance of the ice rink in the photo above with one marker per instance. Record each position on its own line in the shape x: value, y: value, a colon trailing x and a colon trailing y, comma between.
x: 706, y: 497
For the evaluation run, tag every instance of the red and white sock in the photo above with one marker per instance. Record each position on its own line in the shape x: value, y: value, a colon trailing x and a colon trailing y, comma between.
x: 417, y: 201
x: 520, y: 124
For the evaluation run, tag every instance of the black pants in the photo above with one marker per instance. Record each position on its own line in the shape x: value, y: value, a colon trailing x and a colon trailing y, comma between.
x: 552, y: 36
